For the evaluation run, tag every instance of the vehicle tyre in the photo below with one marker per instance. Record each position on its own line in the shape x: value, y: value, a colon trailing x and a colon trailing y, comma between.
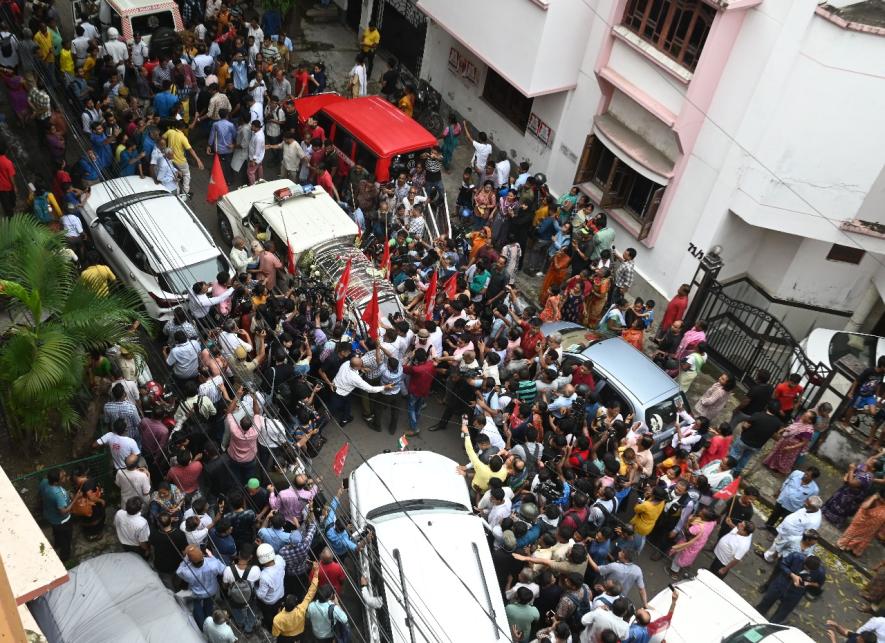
x: 224, y: 228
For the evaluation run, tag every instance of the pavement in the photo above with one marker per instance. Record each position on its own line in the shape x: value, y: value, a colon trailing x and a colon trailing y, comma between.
x: 335, y: 45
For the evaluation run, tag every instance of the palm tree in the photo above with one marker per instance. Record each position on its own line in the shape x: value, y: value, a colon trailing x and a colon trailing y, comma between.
x: 56, y: 320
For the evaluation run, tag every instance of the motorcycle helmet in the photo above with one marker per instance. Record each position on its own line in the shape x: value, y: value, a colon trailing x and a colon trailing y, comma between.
x: 153, y: 391
x: 541, y: 178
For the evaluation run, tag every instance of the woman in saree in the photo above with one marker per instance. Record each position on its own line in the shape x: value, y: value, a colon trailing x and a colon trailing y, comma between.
x: 868, y: 523
x: 573, y: 304
x: 792, y: 442
x: 843, y: 504
x: 594, y: 305
x: 478, y: 240
x: 556, y: 274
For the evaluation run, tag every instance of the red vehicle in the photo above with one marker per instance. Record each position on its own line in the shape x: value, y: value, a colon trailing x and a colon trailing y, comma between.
x: 368, y: 130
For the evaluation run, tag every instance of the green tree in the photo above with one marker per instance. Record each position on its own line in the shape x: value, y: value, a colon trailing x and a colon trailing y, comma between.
x: 57, y: 320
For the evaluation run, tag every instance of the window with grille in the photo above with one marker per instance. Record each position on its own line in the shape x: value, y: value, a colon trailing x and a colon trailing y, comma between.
x: 679, y: 28
x: 508, y: 100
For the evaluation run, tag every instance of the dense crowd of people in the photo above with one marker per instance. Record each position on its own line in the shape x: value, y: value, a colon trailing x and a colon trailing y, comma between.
x: 216, y: 486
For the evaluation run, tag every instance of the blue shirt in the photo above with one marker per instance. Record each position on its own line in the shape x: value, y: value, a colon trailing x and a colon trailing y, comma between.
x: 163, y: 104
x: 794, y: 494
x: 89, y: 169
x: 127, y: 168
x: 225, y: 547
x: 276, y: 538
x: 240, y: 73
x: 599, y: 551
x: 202, y: 580
x: 637, y: 634
x: 339, y: 542
x: 55, y: 498
x: 547, y: 229
x: 222, y: 136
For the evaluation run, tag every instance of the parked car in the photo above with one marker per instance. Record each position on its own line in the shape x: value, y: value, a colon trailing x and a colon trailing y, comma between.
x: 368, y: 130
x: 429, y: 560
x: 152, y: 241
x: 320, y: 233
x: 830, y: 346
x: 709, y: 611
x: 626, y: 375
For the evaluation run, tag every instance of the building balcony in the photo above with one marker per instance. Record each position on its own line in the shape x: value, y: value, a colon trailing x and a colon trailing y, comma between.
x: 535, y: 45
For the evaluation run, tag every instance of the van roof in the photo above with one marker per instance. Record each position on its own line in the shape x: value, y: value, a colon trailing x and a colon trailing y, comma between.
x: 157, y: 217
x: 125, y: 7
x: 307, y: 220
x: 372, y: 120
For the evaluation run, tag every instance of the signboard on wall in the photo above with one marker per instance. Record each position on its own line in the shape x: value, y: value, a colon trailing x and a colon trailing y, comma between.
x: 539, y: 129
x: 463, y: 67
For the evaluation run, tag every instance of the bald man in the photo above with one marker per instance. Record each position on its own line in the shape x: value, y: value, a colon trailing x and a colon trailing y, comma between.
x: 133, y: 481
x: 201, y: 575
x: 348, y: 379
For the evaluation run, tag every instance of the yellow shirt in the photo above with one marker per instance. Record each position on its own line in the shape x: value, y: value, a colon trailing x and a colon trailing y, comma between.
x: 98, y: 277
x: 406, y: 105
x: 540, y: 215
x: 66, y: 62
x: 483, y: 471
x: 645, y: 516
x: 370, y: 40
x: 178, y: 143
x: 223, y: 73
x: 292, y: 623
x: 44, y: 46
x: 87, y: 67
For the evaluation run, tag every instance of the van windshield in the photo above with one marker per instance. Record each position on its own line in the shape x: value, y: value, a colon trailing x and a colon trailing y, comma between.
x: 147, y: 23
x: 181, y: 280
x: 413, y: 505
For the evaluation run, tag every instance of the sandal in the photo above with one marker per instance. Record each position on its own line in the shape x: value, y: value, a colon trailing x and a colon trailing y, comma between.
x: 675, y: 575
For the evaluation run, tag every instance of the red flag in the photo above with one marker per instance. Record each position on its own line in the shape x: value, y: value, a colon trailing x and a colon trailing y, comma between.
x: 371, y: 314
x: 452, y: 286
x: 728, y: 491
x: 217, y: 185
x: 430, y: 296
x: 385, y: 258
x: 340, y: 457
x: 660, y: 625
x: 291, y: 256
x: 341, y: 291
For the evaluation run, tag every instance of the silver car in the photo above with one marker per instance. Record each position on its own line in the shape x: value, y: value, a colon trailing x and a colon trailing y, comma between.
x: 626, y: 375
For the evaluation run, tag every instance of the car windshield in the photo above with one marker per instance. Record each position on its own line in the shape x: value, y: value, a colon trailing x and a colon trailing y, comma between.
x: 666, y: 411
x: 574, y: 340
x: 180, y: 281
x: 753, y: 633
x: 413, y: 505
x: 851, y: 346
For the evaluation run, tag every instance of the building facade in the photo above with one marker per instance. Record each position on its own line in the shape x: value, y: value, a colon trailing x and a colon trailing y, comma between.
x: 754, y: 125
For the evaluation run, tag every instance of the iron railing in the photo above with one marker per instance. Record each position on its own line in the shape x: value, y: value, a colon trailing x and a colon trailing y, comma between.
x: 98, y: 466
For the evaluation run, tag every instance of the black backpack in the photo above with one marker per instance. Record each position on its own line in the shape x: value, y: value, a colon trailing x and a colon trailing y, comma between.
x: 581, y: 607
x: 239, y: 594
x: 6, y: 46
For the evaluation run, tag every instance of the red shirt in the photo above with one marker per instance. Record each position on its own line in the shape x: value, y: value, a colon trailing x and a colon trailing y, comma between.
x: 324, y: 180
x: 186, y: 478
x: 675, y: 311
x: 331, y: 574
x: 786, y: 394
x: 7, y: 173
x: 300, y: 77
x: 530, y: 339
x: 583, y: 378
x: 420, y: 378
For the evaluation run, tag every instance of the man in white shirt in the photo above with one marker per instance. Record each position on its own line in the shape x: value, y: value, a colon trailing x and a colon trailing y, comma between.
x: 346, y: 380
x: 80, y: 46
x: 232, y: 338
x: 119, y: 443
x: 599, y: 620
x: 133, y: 481
x: 200, y: 304
x: 184, y: 357
x: 132, y: 529
x: 790, y: 531
x: 270, y: 583
x: 731, y: 548
x: 255, y: 168
x: 490, y: 430
x: 116, y: 49
x: 139, y: 52
x: 481, y: 149
x: 500, y: 507
x: 502, y: 170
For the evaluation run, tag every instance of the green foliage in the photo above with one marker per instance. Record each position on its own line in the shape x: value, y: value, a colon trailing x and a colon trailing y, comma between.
x: 58, y: 319
x: 282, y: 6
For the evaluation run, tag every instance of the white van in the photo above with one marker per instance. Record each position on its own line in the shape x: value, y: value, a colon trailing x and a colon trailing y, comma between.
x: 430, y: 559
x: 709, y: 611
x: 152, y: 241
x: 129, y: 17
x: 321, y: 235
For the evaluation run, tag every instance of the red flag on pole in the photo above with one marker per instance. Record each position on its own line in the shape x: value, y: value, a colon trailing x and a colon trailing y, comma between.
x: 340, y: 458
x: 291, y: 256
x: 430, y: 296
x: 341, y: 291
x: 452, y: 286
x: 385, y: 258
x: 371, y: 314
x: 727, y: 492
x: 217, y: 185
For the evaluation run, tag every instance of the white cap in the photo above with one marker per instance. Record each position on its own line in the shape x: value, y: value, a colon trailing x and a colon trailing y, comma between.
x: 264, y: 553
x: 112, y: 33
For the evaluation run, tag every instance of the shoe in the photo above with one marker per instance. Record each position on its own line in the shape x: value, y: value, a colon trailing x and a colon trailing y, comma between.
x: 412, y: 434
x: 346, y: 421
x: 369, y: 419
x: 436, y: 428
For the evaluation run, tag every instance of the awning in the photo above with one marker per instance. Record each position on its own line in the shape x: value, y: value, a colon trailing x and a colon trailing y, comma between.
x: 632, y: 149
